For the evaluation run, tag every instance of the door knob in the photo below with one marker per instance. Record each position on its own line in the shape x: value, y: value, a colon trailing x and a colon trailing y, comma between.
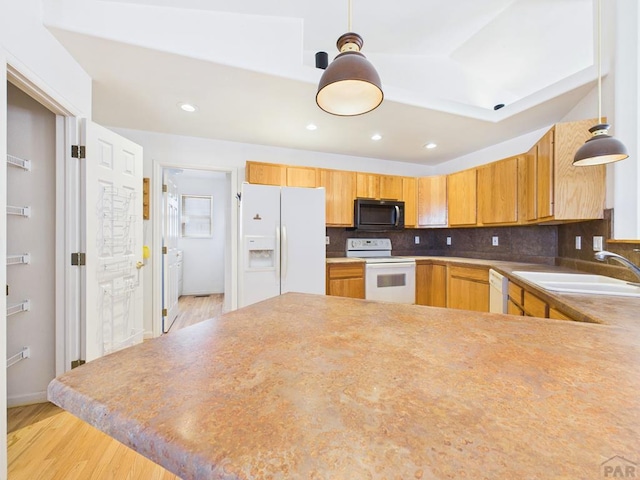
x: 139, y: 265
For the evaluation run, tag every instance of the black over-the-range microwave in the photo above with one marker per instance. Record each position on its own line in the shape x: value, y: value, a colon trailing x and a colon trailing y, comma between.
x: 378, y: 215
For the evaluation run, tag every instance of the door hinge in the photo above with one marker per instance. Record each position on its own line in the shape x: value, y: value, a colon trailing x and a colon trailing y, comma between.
x: 78, y: 259
x: 164, y: 250
x: 77, y: 363
x: 165, y: 189
x: 78, y: 151
x: 164, y: 312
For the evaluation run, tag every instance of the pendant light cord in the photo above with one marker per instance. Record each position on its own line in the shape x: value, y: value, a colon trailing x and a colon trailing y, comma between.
x: 349, y: 17
x: 599, y: 59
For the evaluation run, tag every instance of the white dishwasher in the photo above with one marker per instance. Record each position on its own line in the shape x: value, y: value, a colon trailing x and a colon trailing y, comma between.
x: 498, y: 292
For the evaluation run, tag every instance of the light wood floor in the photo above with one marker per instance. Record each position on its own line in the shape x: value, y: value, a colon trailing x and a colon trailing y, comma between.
x: 47, y: 443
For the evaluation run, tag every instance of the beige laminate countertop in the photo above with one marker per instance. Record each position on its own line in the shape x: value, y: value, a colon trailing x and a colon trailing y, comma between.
x: 316, y: 387
x: 604, y: 309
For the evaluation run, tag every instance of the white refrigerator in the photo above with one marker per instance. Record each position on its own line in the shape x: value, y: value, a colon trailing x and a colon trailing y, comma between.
x: 282, y: 242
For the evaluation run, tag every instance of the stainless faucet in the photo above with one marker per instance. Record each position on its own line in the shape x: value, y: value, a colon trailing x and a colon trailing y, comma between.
x: 603, y: 255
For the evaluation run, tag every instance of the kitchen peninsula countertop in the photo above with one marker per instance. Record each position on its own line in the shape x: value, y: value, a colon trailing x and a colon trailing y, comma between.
x: 316, y: 387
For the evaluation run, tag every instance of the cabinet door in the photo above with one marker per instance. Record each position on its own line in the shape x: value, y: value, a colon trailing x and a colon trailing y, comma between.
x: 431, y: 285
x: 544, y: 176
x: 498, y: 192
x: 302, y: 177
x: 367, y: 185
x: 340, y: 187
x: 579, y: 192
x: 345, y: 280
x: 432, y: 201
x: 468, y: 289
x: 390, y: 187
x: 409, y: 196
x: 527, y: 186
x: 266, y: 173
x: 462, y: 197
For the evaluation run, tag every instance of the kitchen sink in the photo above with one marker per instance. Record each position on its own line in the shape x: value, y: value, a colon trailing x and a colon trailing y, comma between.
x: 580, y: 283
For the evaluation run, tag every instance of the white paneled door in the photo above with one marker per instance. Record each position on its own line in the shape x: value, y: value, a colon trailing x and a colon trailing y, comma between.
x: 112, y: 183
x: 170, y: 255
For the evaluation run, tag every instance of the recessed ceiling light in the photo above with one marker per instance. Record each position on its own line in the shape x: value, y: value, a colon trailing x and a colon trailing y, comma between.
x: 312, y: 127
x: 376, y: 137
x: 430, y: 145
x: 187, y: 107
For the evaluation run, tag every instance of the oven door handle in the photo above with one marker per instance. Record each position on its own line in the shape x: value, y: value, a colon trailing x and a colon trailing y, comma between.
x: 397, y: 215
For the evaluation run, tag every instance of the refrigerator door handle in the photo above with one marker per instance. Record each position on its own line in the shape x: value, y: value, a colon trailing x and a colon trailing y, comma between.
x: 284, y: 252
x: 278, y: 255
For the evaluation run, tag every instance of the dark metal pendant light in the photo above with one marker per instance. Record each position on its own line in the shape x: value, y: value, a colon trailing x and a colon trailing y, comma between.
x: 601, y: 147
x: 350, y: 85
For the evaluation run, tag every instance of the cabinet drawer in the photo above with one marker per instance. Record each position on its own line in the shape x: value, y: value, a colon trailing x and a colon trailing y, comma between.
x: 534, y: 306
x: 513, y: 309
x: 346, y: 271
x: 515, y: 293
x: 474, y: 274
x: 558, y: 315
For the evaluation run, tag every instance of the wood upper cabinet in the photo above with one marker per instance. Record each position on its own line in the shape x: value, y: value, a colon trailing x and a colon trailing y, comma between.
x: 345, y: 279
x: 410, y: 199
x: 552, y: 189
x: 462, y: 197
x: 431, y: 284
x: 340, y: 188
x: 498, y: 192
x: 468, y: 288
x: 391, y: 187
x: 367, y: 185
x: 266, y: 173
x: 432, y: 201
x: 302, y: 177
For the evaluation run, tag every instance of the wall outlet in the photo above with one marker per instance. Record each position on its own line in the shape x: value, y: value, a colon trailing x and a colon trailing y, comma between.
x: 597, y: 244
x: 448, y: 240
x: 416, y: 239
x: 494, y: 241
x: 578, y: 242
x: 327, y: 240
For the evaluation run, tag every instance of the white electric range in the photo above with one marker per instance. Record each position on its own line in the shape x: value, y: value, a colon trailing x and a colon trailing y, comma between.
x: 387, y: 278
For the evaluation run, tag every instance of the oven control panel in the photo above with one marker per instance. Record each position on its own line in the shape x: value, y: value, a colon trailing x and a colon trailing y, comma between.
x: 368, y: 244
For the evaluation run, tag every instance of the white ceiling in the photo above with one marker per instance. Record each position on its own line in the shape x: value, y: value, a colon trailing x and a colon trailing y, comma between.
x: 249, y: 67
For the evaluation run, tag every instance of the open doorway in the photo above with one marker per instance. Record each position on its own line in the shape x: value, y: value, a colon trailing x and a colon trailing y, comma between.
x: 196, y: 245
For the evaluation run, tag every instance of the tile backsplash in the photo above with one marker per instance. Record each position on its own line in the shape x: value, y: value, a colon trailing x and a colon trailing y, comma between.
x: 535, y: 244
x: 583, y: 259
x: 547, y: 244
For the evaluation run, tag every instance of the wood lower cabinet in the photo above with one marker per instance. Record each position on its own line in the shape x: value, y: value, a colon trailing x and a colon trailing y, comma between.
x: 525, y: 302
x: 340, y: 188
x: 468, y: 288
x: 432, y: 201
x: 431, y: 284
x: 462, y: 198
x: 345, y: 279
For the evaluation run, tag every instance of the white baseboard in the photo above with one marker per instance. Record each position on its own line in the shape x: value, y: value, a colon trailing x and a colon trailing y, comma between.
x: 29, y: 399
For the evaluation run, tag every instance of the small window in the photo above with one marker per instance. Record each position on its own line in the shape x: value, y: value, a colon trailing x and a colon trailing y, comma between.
x: 197, y: 216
